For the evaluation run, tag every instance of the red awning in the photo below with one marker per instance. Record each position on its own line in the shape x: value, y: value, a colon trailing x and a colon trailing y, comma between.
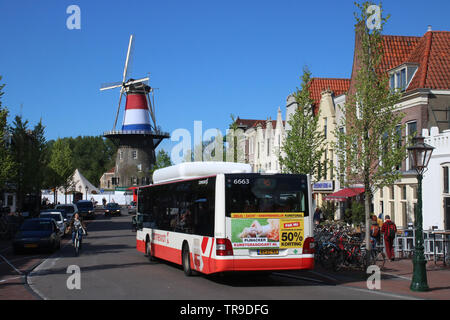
x: 344, y: 194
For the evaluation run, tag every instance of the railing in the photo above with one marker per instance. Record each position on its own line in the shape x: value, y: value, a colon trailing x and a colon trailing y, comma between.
x: 436, y: 245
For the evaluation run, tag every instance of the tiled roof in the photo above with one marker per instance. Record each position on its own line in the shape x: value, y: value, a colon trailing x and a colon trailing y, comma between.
x: 431, y: 53
x: 397, y: 49
x: 433, y: 56
x: 251, y: 123
x: 318, y: 85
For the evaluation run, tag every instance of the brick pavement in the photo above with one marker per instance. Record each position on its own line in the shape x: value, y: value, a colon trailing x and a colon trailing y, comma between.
x: 396, y: 278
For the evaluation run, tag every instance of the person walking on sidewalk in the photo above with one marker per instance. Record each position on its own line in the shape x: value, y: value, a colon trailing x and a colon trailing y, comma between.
x: 375, y: 235
x: 389, y: 229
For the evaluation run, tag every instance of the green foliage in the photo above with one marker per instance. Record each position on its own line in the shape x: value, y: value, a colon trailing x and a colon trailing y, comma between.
x: 6, y: 161
x: 370, y: 148
x: 92, y: 155
x: 355, y: 214
x: 29, y: 156
x: 61, y: 164
x: 328, y: 209
x: 305, y: 145
x: 162, y: 160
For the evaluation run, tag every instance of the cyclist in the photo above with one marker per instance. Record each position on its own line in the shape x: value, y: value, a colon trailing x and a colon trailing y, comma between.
x: 77, y: 225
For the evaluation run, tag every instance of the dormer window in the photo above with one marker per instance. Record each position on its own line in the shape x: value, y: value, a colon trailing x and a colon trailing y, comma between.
x: 398, y: 80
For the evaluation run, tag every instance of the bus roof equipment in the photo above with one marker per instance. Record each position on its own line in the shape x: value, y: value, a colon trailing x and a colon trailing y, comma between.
x: 192, y: 170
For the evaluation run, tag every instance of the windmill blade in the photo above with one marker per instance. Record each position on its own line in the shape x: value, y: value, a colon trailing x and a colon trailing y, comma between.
x: 126, y: 71
x: 150, y: 109
x: 137, y: 81
x: 112, y: 85
x: 118, y: 108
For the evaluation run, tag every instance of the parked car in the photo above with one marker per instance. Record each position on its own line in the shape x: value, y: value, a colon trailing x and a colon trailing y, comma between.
x: 86, y: 209
x: 112, y: 209
x: 132, y: 207
x: 70, y: 209
x: 61, y: 222
x: 37, y: 233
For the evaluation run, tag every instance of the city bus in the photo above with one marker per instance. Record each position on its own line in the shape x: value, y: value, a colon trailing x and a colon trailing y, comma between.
x: 214, y: 217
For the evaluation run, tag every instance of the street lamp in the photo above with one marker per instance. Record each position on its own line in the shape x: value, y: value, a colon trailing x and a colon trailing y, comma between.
x: 86, y: 188
x: 419, y: 155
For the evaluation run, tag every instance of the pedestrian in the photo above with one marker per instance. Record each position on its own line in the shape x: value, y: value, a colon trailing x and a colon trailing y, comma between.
x: 380, y: 220
x: 374, y: 231
x: 317, y: 214
x: 389, y: 230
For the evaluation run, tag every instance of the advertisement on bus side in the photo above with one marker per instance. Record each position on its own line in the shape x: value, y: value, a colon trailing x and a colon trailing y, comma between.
x: 267, y: 230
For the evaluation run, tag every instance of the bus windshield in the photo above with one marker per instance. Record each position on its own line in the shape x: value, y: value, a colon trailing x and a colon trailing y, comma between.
x: 248, y: 193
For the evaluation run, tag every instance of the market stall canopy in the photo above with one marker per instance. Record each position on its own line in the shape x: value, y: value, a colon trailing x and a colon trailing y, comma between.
x: 78, y: 183
x: 344, y: 194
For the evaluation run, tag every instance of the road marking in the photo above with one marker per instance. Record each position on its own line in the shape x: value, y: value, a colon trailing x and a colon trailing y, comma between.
x: 11, y: 265
x: 9, y: 279
x: 287, y: 275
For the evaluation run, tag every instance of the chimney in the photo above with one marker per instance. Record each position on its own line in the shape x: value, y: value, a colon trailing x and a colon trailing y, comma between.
x: 429, y: 28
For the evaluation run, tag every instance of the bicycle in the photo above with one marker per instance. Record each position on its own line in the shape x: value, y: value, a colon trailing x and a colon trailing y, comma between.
x: 77, y: 241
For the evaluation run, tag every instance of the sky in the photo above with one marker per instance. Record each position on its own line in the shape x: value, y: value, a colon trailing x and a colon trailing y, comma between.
x: 208, y: 59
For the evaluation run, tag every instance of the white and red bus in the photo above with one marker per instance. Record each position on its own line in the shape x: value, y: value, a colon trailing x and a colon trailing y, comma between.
x: 215, y: 217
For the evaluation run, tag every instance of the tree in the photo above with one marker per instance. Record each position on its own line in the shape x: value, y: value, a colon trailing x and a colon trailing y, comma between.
x: 162, y: 161
x: 370, y: 148
x: 61, y: 164
x: 305, y: 146
x: 29, y: 154
x: 6, y: 161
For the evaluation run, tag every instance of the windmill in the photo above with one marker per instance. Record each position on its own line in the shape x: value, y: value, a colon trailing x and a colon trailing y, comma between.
x: 137, y: 87
x: 139, y: 135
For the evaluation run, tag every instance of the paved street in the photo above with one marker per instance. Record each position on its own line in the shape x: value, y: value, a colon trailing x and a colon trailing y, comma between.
x: 111, y: 268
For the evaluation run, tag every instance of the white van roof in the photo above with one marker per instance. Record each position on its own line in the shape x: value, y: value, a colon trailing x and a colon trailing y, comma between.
x: 192, y: 170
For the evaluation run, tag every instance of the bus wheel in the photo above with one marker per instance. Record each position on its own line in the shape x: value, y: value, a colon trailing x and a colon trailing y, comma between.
x: 186, y: 261
x: 148, y: 251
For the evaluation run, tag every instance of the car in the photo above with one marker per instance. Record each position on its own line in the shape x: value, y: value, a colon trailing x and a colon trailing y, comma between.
x: 112, y: 209
x: 61, y: 222
x: 69, y: 208
x: 86, y: 209
x: 37, y: 233
x: 132, y: 207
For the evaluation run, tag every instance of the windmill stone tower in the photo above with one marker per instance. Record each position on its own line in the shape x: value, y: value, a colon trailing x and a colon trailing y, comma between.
x: 139, y: 135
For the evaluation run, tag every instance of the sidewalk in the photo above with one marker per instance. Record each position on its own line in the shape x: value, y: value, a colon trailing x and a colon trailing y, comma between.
x: 396, y: 279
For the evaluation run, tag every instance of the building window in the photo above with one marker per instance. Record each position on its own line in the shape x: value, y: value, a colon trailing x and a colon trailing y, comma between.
x: 268, y: 147
x: 391, y: 189
x: 121, y: 155
x: 411, y: 128
x: 414, y: 191
x: 392, y: 210
x: 403, y: 192
x: 325, y: 125
x: 403, y: 80
x: 397, y: 80
x: 381, y: 192
x: 446, y: 179
x: 134, y: 154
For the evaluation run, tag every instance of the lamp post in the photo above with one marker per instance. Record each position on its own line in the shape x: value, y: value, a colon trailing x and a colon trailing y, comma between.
x: 419, y: 155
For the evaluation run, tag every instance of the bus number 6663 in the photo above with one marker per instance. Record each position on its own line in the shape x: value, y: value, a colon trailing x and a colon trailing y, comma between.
x: 241, y: 181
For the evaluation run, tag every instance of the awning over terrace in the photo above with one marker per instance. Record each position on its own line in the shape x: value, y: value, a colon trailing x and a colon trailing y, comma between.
x: 344, y: 194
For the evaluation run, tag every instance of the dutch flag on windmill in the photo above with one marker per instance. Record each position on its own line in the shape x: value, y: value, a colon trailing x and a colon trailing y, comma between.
x: 138, y: 106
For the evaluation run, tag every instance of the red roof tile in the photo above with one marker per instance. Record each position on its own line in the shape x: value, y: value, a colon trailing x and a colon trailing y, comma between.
x: 318, y: 85
x: 433, y: 56
x: 397, y: 49
x: 431, y: 53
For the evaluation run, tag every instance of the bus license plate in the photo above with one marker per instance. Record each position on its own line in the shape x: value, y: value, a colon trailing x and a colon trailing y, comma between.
x: 263, y: 252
